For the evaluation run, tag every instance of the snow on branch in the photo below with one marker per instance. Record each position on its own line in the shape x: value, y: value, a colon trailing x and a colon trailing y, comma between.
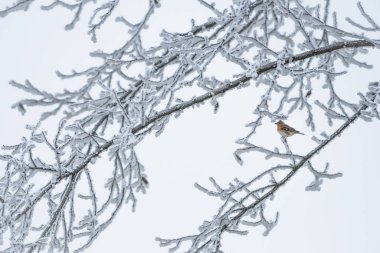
x: 16, y: 6
x: 116, y: 107
x: 244, y: 203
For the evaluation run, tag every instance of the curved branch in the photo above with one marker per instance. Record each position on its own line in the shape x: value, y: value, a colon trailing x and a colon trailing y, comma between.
x: 228, y: 222
x: 301, y: 163
x: 261, y: 70
x: 197, y: 100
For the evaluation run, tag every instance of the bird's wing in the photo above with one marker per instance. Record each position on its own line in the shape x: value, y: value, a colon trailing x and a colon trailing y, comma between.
x: 288, y: 128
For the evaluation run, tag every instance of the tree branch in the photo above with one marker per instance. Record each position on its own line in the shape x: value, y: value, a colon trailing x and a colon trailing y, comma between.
x: 197, y: 100
x: 228, y: 221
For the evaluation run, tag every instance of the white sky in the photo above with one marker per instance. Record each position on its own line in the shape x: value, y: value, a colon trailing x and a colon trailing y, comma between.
x: 343, y: 217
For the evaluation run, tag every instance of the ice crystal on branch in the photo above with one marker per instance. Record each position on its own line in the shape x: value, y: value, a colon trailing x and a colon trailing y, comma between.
x: 115, y: 108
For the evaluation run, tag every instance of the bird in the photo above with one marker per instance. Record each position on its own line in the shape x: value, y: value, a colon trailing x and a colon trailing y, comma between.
x: 286, y: 130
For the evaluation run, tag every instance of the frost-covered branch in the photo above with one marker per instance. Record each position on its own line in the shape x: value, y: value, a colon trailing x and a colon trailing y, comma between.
x: 244, y: 203
x: 117, y: 107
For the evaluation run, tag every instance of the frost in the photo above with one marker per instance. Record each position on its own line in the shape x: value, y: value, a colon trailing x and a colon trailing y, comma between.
x: 319, y: 176
x: 117, y: 106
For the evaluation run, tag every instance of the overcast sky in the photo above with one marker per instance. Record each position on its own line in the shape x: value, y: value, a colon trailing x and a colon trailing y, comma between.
x: 343, y: 217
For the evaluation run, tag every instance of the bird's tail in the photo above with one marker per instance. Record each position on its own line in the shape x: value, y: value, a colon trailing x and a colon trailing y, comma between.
x: 299, y: 133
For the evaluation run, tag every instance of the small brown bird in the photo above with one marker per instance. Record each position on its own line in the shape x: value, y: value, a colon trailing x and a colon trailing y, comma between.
x: 285, y: 130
